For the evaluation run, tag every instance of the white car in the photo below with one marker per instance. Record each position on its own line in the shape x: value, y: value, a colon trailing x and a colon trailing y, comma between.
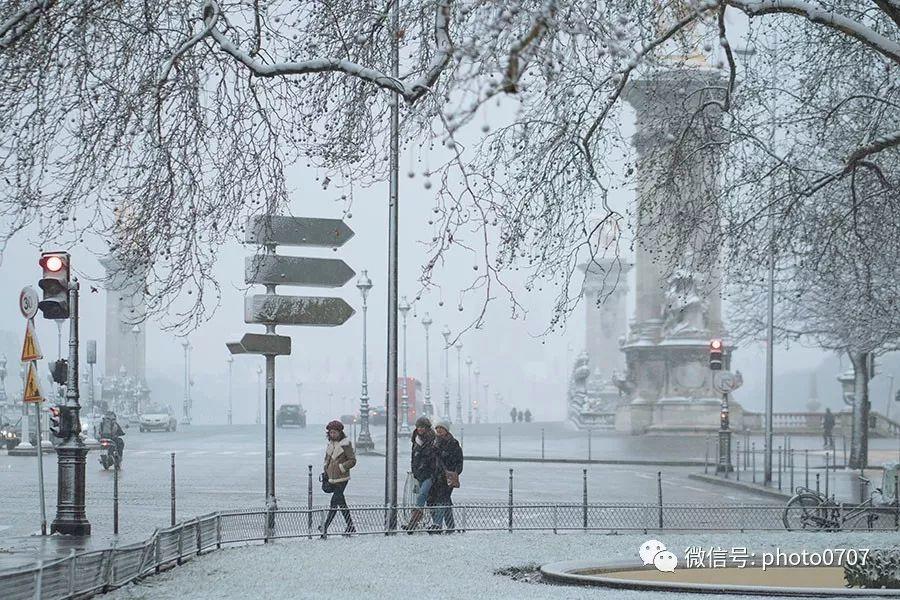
x: 157, y: 417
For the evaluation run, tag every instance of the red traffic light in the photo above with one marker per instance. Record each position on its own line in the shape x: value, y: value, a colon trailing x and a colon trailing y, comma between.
x: 53, y: 263
x: 715, y: 345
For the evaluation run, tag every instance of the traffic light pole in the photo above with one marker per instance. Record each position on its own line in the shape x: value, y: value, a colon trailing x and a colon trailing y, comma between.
x: 71, y: 453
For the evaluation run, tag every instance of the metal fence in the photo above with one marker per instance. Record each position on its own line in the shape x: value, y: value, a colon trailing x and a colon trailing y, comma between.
x: 84, y: 574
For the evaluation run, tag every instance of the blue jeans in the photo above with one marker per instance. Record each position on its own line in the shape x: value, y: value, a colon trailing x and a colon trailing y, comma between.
x: 443, y: 513
x: 424, y: 488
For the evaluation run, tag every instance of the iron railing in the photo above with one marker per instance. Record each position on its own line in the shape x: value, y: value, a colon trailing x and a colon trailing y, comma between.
x: 81, y: 575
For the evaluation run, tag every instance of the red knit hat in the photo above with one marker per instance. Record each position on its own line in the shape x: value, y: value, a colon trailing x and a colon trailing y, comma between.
x: 335, y: 425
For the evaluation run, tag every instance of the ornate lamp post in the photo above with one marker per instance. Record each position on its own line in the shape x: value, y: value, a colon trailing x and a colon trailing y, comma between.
x: 469, y: 385
x: 186, y: 418
x: 459, y: 417
x: 258, y: 395
x: 427, y: 407
x: 134, y: 356
x: 230, y: 361
x: 364, y: 441
x: 446, y: 334
x: 475, y: 402
x: 404, y: 393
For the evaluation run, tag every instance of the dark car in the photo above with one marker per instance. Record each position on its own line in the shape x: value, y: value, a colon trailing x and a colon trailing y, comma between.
x: 378, y: 415
x: 291, y: 414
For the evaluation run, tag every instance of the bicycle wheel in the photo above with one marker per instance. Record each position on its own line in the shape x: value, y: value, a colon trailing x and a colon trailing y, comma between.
x: 806, y: 512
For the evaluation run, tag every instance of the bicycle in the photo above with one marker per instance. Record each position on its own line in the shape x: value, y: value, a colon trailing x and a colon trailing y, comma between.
x: 809, y: 510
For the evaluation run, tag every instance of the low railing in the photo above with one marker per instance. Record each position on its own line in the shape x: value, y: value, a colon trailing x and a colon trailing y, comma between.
x: 85, y: 574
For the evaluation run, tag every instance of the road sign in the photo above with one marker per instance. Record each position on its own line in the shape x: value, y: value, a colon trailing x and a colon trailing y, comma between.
x: 32, y: 389
x: 270, y: 269
x: 261, y: 343
x: 30, y: 349
x: 296, y: 310
x: 28, y: 302
x: 727, y: 382
x: 297, y: 231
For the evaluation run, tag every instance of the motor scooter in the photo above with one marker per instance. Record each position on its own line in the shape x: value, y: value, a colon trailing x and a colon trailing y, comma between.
x: 109, y: 454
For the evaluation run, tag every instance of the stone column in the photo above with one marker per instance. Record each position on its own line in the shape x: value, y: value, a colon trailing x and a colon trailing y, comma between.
x: 605, y: 315
x: 125, y: 307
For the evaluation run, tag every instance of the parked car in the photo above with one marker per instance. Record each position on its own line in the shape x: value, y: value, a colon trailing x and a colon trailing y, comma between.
x: 159, y: 417
x: 290, y: 414
x: 9, y: 436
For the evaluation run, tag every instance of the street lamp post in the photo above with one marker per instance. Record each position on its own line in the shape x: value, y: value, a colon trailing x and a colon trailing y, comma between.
x: 230, y: 361
x: 459, y: 418
x: 427, y: 407
x: 446, y: 333
x: 258, y: 395
x: 469, y: 384
x: 186, y: 418
x: 404, y: 392
x: 475, y: 402
x: 487, y: 414
x: 364, y: 442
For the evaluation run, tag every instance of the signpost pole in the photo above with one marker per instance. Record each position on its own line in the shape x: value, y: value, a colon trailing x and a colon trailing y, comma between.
x: 40, y: 465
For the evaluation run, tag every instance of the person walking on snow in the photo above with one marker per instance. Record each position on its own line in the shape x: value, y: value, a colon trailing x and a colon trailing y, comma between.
x: 828, y: 427
x: 449, y: 464
x: 339, y: 459
x: 422, y: 466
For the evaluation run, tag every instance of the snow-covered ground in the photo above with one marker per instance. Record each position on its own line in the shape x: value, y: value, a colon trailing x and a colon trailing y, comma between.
x: 442, y: 567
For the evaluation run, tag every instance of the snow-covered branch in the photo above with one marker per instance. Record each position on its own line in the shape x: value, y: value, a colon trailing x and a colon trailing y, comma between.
x: 815, y: 13
x: 21, y: 22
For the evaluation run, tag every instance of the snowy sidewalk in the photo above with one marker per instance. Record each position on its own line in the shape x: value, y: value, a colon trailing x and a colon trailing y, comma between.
x: 442, y: 567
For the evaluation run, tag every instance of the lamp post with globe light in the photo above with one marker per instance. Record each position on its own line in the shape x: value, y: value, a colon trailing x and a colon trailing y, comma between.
x: 230, y: 361
x: 364, y: 441
x: 404, y: 392
x: 469, y: 385
x: 446, y: 333
x: 475, y: 401
x: 186, y: 418
x: 427, y: 407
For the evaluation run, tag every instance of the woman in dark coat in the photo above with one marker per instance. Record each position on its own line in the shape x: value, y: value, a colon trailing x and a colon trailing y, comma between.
x: 449, y: 458
x: 422, y: 465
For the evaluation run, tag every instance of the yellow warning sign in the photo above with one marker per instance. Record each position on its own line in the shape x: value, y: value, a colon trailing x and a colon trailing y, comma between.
x: 30, y: 349
x: 32, y: 390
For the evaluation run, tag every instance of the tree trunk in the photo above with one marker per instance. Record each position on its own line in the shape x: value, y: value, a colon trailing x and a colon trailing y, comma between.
x: 859, y: 442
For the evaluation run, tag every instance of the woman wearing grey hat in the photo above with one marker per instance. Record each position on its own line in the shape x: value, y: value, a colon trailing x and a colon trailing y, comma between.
x: 422, y: 467
x: 449, y: 464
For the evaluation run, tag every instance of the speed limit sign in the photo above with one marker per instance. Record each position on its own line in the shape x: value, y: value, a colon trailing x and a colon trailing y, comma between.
x: 28, y: 302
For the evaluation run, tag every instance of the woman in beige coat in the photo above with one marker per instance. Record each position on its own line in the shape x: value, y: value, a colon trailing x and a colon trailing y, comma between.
x: 339, y: 459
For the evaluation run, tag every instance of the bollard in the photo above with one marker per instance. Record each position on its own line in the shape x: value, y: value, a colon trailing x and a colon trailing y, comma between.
x: 806, y: 468
x: 791, y: 461
x: 510, y: 500
x: 826, y: 475
x: 706, y: 458
x: 584, y: 502
x: 779, y: 468
x: 753, y: 451
x: 589, y: 443
x: 542, y: 443
x: 115, y: 500
x: 309, y: 501
x: 499, y: 443
x: 172, y: 488
x: 817, y: 482
x: 737, y: 465
x: 659, y: 496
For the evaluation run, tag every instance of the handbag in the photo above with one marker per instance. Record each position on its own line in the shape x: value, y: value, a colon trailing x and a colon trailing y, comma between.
x: 326, y: 485
x: 452, y: 478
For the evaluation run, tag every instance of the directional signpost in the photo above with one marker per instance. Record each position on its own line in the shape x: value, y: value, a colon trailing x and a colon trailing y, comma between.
x: 270, y: 309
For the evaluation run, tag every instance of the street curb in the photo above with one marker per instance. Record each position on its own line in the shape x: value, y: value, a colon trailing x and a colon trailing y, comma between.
x: 740, y: 485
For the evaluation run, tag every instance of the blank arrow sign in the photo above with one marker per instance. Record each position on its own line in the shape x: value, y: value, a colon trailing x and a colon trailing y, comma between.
x: 261, y: 343
x: 296, y: 310
x: 296, y: 270
x: 278, y: 230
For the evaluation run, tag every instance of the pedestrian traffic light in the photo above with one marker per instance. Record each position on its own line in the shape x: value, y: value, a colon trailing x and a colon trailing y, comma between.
x: 55, y: 284
x: 59, y: 371
x: 55, y: 422
x: 715, y: 355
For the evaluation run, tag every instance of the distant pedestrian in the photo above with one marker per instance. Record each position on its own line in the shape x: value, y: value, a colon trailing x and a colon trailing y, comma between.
x: 828, y: 428
x: 339, y: 459
x: 519, y: 416
x: 527, y: 416
x: 512, y: 414
x: 422, y: 465
x: 449, y: 462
